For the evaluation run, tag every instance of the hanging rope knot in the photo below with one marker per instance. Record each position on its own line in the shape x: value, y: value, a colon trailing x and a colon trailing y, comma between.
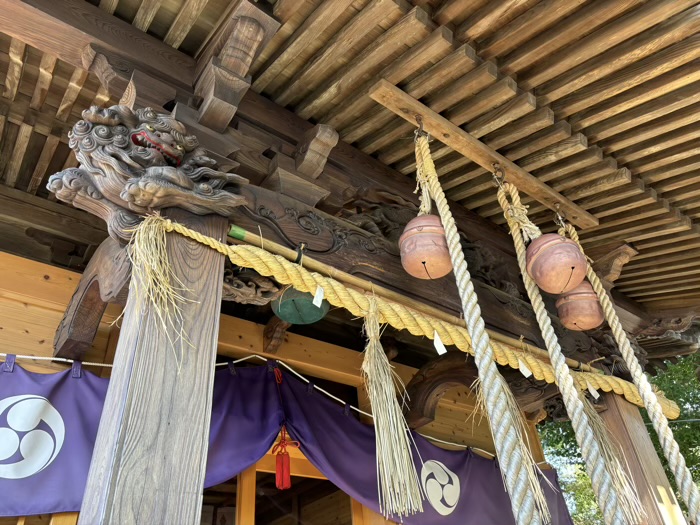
x: 283, y: 471
x: 516, y: 212
x: 284, y: 442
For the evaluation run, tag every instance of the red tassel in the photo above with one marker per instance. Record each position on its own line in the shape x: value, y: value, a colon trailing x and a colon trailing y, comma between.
x: 283, y: 471
x: 283, y: 475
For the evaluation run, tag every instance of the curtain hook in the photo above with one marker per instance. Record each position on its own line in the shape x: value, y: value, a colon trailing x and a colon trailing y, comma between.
x: 420, y: 132
x: 559, y: 216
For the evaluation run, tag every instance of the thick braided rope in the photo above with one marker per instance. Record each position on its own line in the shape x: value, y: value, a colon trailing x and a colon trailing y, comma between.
x: 513, y: 462
x: 603, y: 485
x: 402, y: 317
x: 684, y: 479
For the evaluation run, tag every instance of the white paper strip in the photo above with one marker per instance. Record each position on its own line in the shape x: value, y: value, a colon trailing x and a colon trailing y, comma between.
x: 523, y: 368
x: 318, y: 297
x: 592, y: 390
x: 439, y: 345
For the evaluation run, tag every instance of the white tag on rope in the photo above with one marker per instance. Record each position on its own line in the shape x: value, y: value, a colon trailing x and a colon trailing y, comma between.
x: 592, y: 390
x: 523, y: 368
x: 318, y: 297
x: 439, y: 345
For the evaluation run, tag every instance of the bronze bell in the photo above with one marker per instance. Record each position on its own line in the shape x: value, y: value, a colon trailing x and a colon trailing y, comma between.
x: 555, y: 263
x: 580, y: 309
x: 424, y: 252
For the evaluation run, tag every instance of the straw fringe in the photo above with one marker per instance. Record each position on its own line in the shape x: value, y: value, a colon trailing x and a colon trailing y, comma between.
x: 154, y: 282
x: 397, y: 479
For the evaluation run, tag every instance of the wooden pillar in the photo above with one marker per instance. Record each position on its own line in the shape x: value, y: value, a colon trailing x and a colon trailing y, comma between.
x: 625, y: 424
x: 245, y: 496
x: 151, y: 450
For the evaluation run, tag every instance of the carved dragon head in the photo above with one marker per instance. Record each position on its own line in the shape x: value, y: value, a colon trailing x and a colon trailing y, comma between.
x: 136, y: 162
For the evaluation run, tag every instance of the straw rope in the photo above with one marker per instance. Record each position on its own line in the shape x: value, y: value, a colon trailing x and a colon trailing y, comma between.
x: 517, y: 465
x: 618, y: 503
x: 684, y: 479
x: 398, y: 315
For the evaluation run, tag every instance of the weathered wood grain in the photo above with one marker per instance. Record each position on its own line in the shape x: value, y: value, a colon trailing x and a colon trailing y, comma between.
x: 158, y: 381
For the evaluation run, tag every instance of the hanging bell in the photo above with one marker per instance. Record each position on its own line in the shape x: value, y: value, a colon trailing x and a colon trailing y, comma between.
x: 555, y: 263
x: 580, y: 309
x: 297, y: 307
x: 424, y: 252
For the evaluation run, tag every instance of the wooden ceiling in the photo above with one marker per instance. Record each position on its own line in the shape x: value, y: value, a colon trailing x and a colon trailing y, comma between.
x: 598, y: 98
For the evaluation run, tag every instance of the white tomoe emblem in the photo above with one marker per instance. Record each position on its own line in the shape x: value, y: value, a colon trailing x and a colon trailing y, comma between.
x: 22, y: 431
x: 441, y: 486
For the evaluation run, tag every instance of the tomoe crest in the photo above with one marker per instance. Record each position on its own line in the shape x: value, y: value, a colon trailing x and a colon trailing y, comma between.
x: 32, y: 433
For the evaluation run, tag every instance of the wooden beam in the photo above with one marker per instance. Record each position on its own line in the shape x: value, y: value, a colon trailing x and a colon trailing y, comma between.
x: 408, y: 108
x: 15, y: 68
x: 18, y: 151
x: 158, y: 382
x: 245, y: 496
x: 29, y: 211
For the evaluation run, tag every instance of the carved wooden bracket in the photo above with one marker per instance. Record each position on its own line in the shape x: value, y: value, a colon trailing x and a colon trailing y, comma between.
x: 123, y: 79
x: 222, y: 79
x: 249, y: 287
x: 609, y: 266
x: 670, y: 324
x: 283, y: 178
x: 313, y: 150
x: 274, y: 333
x: 105, y: 280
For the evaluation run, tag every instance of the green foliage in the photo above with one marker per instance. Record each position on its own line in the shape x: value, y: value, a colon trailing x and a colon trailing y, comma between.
x: 680, y: 383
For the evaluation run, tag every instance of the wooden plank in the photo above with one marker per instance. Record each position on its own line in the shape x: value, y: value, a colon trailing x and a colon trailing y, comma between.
x: 520, y: 129
x: 665, y: 157
x: 65, y: 28
x: 533, y: 21
x: 64, y: 518
x: 456, y: 10
x: 428, y: 51
x: 331, y: 57
x: 29, y: 211
x: 245, y: 496
x: 75, y: 85
x: 150, y: 396
x: 463, y: 88
x: 18, y: 151
x: 650, y: 90
x: 146, y: 13
x: 525, y: 146
x: 184, y: 21
x: 653, y: 27
x: 39, y: 173
x: 459, y: 140
x: 572, y: 28
x: 659, y: 143
x: 15, y: 67
x: 678, y: 99
x: 322, y: 16
x: 43, y: 83
x: 629, y: 77
x: 480, y: 24
x: 109, y: 5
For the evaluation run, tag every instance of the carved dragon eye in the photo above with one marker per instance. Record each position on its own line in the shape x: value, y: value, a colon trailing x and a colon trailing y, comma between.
x: 180, y: 148
x: 150, y: 128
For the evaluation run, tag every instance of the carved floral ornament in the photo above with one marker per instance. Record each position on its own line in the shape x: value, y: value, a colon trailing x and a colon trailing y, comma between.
x: 135, y: 162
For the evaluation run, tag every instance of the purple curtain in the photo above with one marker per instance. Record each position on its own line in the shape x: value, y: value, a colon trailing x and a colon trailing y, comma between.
x: 461, y: 487
x: 48, y: 425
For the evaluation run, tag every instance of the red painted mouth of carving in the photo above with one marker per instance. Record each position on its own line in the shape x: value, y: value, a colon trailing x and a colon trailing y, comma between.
x: 142, y: 139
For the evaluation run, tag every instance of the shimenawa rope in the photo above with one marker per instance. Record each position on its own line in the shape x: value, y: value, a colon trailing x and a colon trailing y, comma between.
x: 617, y: 498
x: 396, y: 314
x: 684, y: 479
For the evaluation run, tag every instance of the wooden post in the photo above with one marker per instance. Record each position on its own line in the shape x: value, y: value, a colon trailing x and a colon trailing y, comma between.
x: 151, y: 450
x: 245, y: 496
x: 625, y: 424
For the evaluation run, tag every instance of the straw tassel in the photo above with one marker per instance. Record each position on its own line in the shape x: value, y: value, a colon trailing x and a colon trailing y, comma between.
x: 398, y: 486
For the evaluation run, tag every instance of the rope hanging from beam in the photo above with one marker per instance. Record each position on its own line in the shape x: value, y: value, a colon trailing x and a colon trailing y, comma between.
x: 613, y: 487
x: 684, y: 479
x: 515, y: 461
